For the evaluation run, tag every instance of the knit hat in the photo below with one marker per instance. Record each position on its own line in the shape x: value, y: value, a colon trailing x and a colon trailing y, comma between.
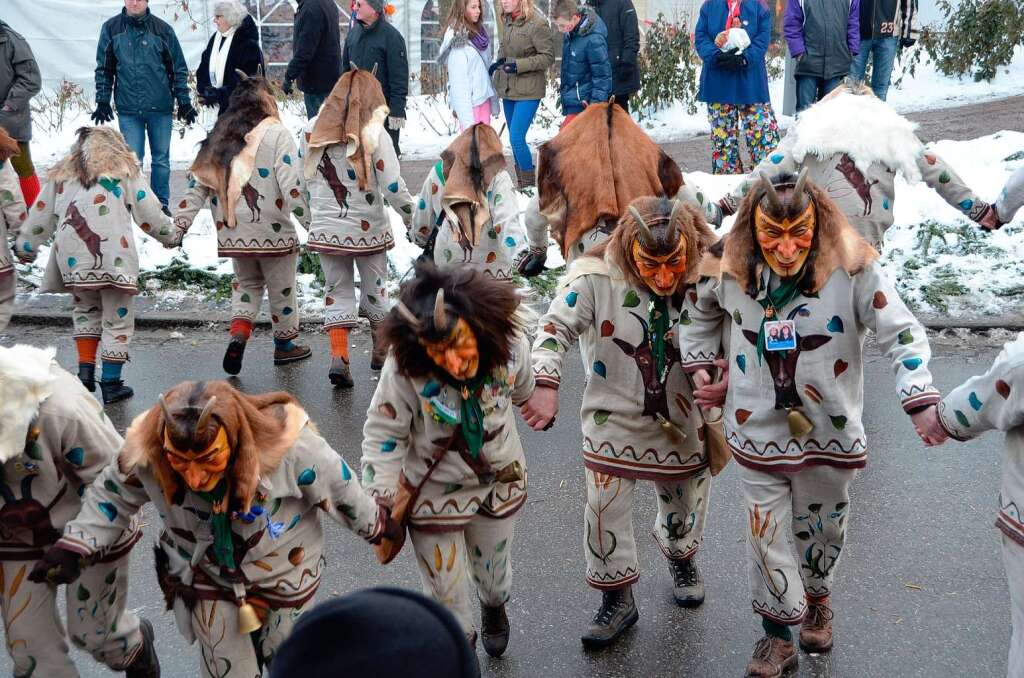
x: 377, y: 632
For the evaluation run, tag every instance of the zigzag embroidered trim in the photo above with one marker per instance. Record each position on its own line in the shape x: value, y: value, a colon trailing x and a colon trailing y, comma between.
x: 605, y: 452
x: 787, y: 618
x: 794, y: 449
x: 613, y: 580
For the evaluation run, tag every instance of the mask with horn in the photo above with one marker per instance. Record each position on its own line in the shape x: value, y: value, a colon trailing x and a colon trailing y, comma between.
x: 196, y: 443
x: 449, y: 342
x: 785, y: 223
x: 659, y: 248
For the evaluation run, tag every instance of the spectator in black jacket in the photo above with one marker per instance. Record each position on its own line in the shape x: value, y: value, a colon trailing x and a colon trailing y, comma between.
x: 619, y: 17
x: 235, y: 45
x: 316, y: 53
x: 373, y: 42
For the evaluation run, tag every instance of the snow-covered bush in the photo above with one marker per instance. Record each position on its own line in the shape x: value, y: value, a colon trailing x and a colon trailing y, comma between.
x: 976, y: 37
x: 669, y: 69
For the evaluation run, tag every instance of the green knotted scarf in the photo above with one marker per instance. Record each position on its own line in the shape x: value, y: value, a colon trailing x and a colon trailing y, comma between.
x: 223, y: 548
x: 657, y: 316
x: 471, y: 417
x: 777, y: 300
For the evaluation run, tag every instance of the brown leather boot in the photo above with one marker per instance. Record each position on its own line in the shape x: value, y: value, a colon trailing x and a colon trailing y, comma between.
x: 379, y: 354
x: 772, y: 657
x: 816, y: 629
x: 526, y: 178
x: 294, y: 354
x: 495, y: 629
x: 146, y: 663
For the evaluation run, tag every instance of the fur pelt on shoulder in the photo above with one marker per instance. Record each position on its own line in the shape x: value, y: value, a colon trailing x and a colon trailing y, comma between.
x: 836, y: 245
x: 27, y: 376
x: 470, y: 164
x: 352, y: 114
x: 98, y: 152
x: 595, y: 167
x: 8, y: 146
x: 863, y: 127
x: 261, y: 429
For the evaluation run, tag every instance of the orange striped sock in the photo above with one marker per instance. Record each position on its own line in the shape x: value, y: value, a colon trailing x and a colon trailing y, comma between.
x: 339, y: 342
x: 87, y: 349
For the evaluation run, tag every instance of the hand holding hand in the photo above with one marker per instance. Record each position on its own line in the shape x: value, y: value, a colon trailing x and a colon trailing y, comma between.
x: 287, y: 87
x: 187, y: 114
x: 58, y: 566
x: 708, y: 394
x: 540, y: 410
x: 103, y: 113
x: 510, y: 67
x: 927, y: 425
x: 495, y: 66
x: 532, y: 264
x: 989, y: 219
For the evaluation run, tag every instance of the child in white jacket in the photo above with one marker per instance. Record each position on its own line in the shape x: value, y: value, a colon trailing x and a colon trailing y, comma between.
x: 467, y: 52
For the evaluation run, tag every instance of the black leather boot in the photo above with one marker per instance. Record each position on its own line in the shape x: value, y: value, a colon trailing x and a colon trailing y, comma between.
x: 494, y: 629
x: 340, y: 374
x: 687, y: 585
x: 115, y: 391
x: 379, y: 354
x: 146, y: 663
x: 233, y: 356
x: 87, y: 375
x: 617, y: 613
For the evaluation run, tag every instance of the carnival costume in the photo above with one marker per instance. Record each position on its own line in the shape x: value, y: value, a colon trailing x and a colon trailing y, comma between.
x: 54, y: 443
x: 12, y: 213
x: 353, y: 175
x: 90, y: 199
x: 248, y: 172
x: 623, y: 302
x: 442, y: 420
x: 798, y: 289
x: 236, y: 480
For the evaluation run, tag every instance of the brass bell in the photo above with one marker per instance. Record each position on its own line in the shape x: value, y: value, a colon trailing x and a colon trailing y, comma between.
x: 674, y: 433
x: 799, y: 424
x: 248, y: 620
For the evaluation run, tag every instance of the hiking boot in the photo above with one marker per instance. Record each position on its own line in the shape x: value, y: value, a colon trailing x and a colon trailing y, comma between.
x: 617, y: 613
x: 772, y: 657
x: 339, y: 374
x: 687, y: 585
x: 526, y: 178
x: 233, y: 356
x: 494, y: 629
x: 115, y: 391
x: 816, y: 629
x: 379, y: 353
x: 296, y: 353
x: 87, y: 375
x: 146, y: 664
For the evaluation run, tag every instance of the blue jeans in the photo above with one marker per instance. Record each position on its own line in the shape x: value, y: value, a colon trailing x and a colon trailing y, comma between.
x: 810, y: 89
x: 313, y: 103
x: 883, y: 53
x: 157, y: 126
x: 519, y: 116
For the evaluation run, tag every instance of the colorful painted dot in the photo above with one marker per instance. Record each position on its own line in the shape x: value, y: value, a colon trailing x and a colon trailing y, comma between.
x: 263, y: 172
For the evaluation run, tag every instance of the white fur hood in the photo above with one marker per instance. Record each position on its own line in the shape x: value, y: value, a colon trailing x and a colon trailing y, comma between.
x: 27, y: 376
x: 863, y: 127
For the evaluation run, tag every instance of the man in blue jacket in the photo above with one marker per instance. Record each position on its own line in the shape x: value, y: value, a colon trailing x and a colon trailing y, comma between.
x: 586, y: 69
x: 823, y: 36
x: 138, y: 58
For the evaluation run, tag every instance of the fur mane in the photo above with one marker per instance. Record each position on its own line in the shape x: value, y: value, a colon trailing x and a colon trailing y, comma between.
x: 98, y: 152
x: 595, y: 167
x: 8, y: 146
x: 27, y: 377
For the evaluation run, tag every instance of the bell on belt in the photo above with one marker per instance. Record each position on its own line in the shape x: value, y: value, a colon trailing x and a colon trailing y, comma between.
x: 674, y: 433
x: 799, y: 424
x: 248, y: 620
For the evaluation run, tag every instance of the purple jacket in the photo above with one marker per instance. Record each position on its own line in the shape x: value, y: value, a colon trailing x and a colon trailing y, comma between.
x: 815, y: 31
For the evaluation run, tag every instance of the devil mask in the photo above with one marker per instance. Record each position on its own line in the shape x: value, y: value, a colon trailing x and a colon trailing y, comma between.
x: 785, y: 224
x: 659, y: 250
x: 450, y: 343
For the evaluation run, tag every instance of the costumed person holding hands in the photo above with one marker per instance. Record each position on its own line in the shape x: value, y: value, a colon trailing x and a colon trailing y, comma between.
x: 353, y: 174
x: 440, y: 437
x: 623, y: 302
x: 54, y: 443
x: 468, y: 211
x: 466, y: 52
x: 1011, y: 198
x: 90, y: 200
x: 792, y: 265
x: 12, y: 213
x: 237, y: 480
x: 249, y: 173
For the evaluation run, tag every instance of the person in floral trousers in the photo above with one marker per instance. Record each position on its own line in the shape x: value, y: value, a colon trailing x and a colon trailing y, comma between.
x: 732, y: 38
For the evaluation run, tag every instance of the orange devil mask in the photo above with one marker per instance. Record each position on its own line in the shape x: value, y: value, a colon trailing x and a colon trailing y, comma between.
x: 659, y: 251
x: 785, y: 225
x: 452, y: 346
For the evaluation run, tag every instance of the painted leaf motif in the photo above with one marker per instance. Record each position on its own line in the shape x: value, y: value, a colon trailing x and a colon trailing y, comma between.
x: 741, y: 362
x: 570, y: 299
x: 742, y: 416
x: 632, y: 299
x: 104, y: 210
x: 975, y: 403
x: 307, y: 477
x: 393, y: 187
x: 905, y: 337
x: 72, y: 262
x: 389, y: 445
x: 607, y: 328
x: 111, y: 486
x: 835, y: 324
x: 601, y: 416
x: 109, y: 510
x: 840, y: 367
x: 99, y: 199
x: 430, y: 389
x: 1003, y: 389
x: 962, y: 418
x: 388, y: 410
x: 122, y: 312
x: 75, y: 456
x: 600, y: 369
x: 82, y: 593
x: 912, y: 363
x: 737, y: 317
x: 276, y: 227
x: 839, y: 422
x: 124, y: 242
x: 245, y: 298
x: 549, y: 344
x: 263, y: 172
x: 684, y: 318
x: 879, y: 301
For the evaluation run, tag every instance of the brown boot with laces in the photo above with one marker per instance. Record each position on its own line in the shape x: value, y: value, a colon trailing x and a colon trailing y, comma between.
x: 772, y: 657
x: 816, y: 629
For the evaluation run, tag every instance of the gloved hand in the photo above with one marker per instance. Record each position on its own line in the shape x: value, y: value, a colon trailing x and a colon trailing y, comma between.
x: 908, y: 42
x: 286, y: 87
x: 186, y: 113
x: 510, y: 67
x: 392, y: 529
x: 495, y: 66
x: 58, y: 566
x: 211, y: 96
x: 533, y: 263
x: 103, y: 113
x: 732, y: 60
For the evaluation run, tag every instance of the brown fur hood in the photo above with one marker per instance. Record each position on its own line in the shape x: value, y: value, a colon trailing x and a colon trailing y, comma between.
x: 837, y: 245
x: 595, y: 167
x: 98, y: 152
x: 475, y: 156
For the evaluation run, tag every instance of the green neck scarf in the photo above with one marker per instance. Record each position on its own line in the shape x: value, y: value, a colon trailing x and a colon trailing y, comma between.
x: 223, y: 548
x: 471, y: 419
x: 776, y: 300
x: 658, y: 319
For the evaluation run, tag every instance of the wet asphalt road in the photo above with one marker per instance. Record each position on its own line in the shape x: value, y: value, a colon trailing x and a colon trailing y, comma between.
x: 920, y: 590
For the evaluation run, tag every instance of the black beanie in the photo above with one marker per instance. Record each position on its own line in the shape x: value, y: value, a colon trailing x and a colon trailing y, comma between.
x: 378, y: 633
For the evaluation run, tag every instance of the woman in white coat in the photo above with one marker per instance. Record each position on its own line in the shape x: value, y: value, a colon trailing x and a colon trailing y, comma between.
x: 467, y: 51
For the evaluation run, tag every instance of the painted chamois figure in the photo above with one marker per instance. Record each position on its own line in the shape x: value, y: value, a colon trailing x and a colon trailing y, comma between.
x: 479, y: 464
x: 25, y: 520
x: 655, y: 397
x: 782, y: 364
x: 856, y: 179
x: 252, y: 198
x: 88, y: 236
x: 329, y: 172
x: 464, y: 242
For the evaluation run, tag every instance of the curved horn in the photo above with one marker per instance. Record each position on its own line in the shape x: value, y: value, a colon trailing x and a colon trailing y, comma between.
x: 204, y: 416
x: 677, y: 206
x: 409, y: 316
x: 641, y: 225
x: 242, y: 75
x: 373, y: 71
x: 769, y: 192
x: 440, y: 318
x: 354, y: 65
x: 169, y: 421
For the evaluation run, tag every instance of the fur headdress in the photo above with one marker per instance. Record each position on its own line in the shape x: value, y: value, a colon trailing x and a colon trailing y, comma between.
x: 470, y: 164
x: 663, y: 221
x: 836, y: 243
x: 227, y: 157
x: 8, y: 146
x: 353, y: 114
x: 98, y: 152
x: 489, y: 307
x: 595, y: 167
x: 27, y: 376
x: 260, y: 430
